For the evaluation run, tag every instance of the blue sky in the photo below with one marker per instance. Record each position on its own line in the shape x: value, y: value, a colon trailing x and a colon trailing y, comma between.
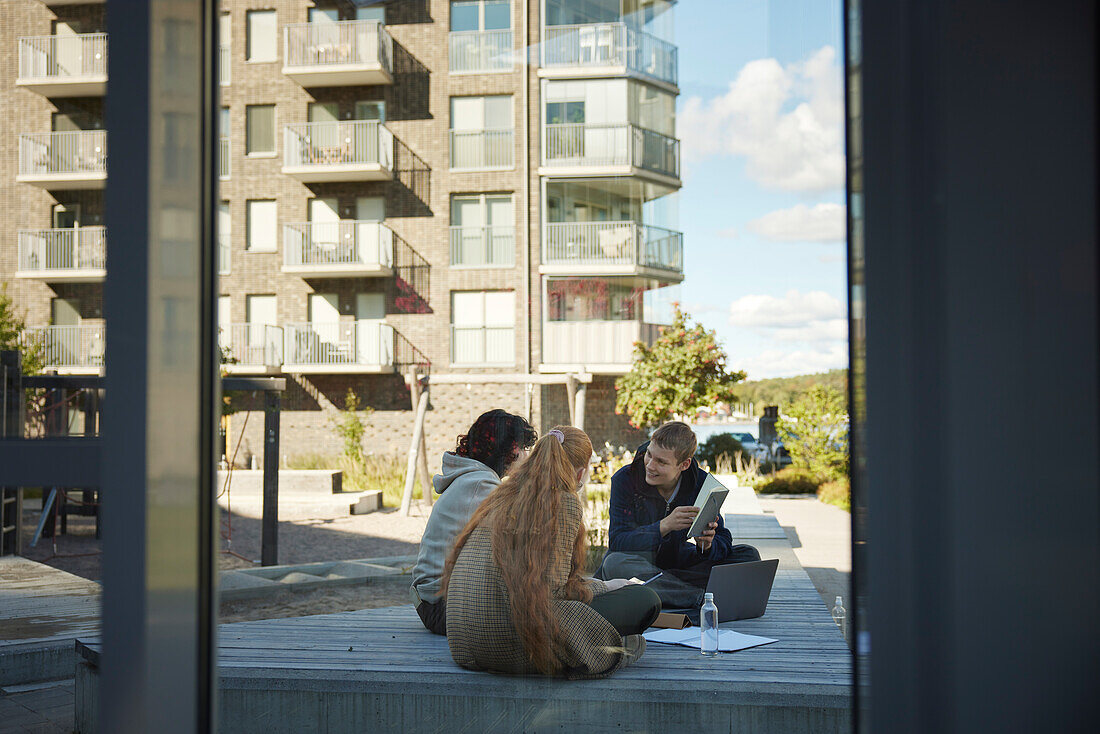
x: 760, y: 117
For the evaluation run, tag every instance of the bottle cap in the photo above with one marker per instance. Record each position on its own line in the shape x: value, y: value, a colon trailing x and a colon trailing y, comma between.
x: 839, y: 601
x: 708, y: 596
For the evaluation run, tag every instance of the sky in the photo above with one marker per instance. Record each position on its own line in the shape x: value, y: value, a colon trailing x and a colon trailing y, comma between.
x: 760, y: 118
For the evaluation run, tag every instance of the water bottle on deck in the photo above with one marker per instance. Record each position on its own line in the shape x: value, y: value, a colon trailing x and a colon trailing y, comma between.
x: 708, y: 625
x: 841, y: 617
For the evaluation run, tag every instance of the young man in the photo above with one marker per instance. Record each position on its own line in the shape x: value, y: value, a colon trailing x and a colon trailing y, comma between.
x: 652, y: 507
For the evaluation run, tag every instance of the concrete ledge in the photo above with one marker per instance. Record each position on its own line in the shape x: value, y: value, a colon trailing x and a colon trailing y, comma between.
x: 251, y: 481
x: 37, y: 661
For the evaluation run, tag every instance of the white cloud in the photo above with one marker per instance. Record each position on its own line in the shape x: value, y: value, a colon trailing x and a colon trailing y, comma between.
x: 779, y: 363
x: 793, y: 311
x: 822, y: 223
x: 787, y: 122
x: 800, y: 333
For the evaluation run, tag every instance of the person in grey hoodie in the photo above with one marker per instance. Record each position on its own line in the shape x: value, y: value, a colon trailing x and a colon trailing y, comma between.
x: 495, y: 441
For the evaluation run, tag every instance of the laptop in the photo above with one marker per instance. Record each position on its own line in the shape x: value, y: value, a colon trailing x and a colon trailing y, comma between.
x: 741, y: 590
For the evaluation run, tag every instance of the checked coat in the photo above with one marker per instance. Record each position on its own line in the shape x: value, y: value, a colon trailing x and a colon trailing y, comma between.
x: 479, y: 618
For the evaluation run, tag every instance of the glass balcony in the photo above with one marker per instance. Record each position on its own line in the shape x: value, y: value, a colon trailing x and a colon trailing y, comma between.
x: 607, y: 49
x: 612, y: 248
x: 225, y: 61
x: 73, y: 255
x: 356, y: 150
x: 343, y: 53
x: 481, y: 52
x: 483, y: 246
x: 64, y: 66
x: 224, y: 160
x: 583, y: 149
x: 65, y: 160
x: 338, y: 347
x: 73, y: 350
x: 344, y: 249
x: 482, y: 150
x: 597, y: 346
x: 251, y: 349
x: 483, y: 345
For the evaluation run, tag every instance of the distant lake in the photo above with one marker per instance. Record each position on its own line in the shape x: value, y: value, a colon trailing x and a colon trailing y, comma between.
x: 703, y: 431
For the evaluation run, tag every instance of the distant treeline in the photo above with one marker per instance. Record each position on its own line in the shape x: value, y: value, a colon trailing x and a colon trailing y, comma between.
x: 783, y: 391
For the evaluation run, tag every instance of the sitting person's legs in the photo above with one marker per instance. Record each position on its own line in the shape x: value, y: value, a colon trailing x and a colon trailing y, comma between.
x: 631, y: 609
x: 674, y: 592
x: 434, y: 615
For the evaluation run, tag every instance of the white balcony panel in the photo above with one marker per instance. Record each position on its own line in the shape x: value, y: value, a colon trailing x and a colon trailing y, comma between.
x: 251, y: 349
x: 71, y: 349
x: 66, y: 160
x: 338, y: 347
x: 344, y: 53
x: 483, y: 246
x: 598, y: 346
x: 355, y: 150
x: 346, y: 248
x: 612, y: 248
x: 225, y: 64
x: 224, y: 157
x: 63, y: 255
x: 481, y: 52
x: 225, y: 251
x: 483, y: 345
x: 582, y: 149
x: 607, y: 49
x: 482, y: 150
x: 64, y: 66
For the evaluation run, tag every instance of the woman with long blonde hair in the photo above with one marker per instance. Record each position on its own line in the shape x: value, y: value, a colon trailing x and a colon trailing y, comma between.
x: 517, y: 599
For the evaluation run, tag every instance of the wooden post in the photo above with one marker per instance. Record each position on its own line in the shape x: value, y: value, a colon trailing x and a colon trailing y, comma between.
x: 410, y: 467
x: 269, y: 540
x: 571, y: 398
x: 422, y: 451
x: 578, y: 410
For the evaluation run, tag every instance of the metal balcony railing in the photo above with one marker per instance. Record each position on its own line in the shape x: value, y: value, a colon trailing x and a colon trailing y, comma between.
x: 70, y: 347
x: 62, y: 251
x: 483, y: 345
x: 482, y: 149
x: 348, y: 344
x: 224, y: 157
x: 63, y: 58
x: 354, y: 142
x: 225, y: 60
x: 348, y: 242
x: 594, y: 342
x: 595, y: 146
x: 481, y: 51
x: 79, y: 152
x: 612, y: 243
x: 343, y: 43
x: 252, y: 344
x: 609, y: 44
x: 481, y: 246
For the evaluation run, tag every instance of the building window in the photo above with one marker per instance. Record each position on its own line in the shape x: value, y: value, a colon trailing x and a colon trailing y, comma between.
x: 483, y: 231
x: 260, y: 221
x: 259, y: 129
x: 481, y: 15
x: 592, y: 299
x: 262, y: 36
x: 483, y: 327
x: 482, y: 132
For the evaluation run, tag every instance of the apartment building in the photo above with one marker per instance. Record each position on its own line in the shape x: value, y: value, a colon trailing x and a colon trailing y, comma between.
x: 466, y: 187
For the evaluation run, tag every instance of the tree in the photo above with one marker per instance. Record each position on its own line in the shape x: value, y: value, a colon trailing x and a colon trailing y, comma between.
x: 13, y: 335
x: 683, y: 370
x: 815, y: 430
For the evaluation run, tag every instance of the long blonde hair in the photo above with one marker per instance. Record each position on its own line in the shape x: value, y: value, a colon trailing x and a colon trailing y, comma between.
x: 523, y: 513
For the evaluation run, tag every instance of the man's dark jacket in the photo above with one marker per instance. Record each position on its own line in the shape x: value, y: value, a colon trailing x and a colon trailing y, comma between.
x: 637, y: 510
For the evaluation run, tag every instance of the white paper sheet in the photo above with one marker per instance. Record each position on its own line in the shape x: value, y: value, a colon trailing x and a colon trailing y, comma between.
x: 728, y: 640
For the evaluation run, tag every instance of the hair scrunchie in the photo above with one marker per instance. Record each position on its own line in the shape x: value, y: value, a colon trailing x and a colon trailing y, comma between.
x: 556, y: 434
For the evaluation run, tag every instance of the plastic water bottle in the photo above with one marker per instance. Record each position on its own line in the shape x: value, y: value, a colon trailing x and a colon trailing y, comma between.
x: 708, y: 625
x: 841, y: 617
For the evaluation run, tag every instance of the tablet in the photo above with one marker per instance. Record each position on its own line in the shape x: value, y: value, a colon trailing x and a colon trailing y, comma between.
x: 711, y: 496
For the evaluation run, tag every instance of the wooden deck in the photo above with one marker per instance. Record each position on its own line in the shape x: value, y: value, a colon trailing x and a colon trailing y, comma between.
x: 379, y: 670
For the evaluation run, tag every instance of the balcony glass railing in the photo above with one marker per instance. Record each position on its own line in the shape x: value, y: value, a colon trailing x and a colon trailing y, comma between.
x: 63, y: 58
x: 62, y: 251
x: 483, y: 246
x: 483, y: 345
x: 612, y: 243
x: 594, y: 342
x: 595, y: 146
x: 482, y: 149
x: 347, y: 242
x: 321, y: 144
x: 481, y: 51
x: 70, y: 347
x: 609, y: 44
x: 224, y: 158
x: 365, y: 343
x: 79, y: 152
x: 343, y: 43
x: 225, y: 60
x: 251, y: 344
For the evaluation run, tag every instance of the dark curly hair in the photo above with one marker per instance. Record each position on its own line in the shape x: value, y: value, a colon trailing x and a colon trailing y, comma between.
x: 495, y: 438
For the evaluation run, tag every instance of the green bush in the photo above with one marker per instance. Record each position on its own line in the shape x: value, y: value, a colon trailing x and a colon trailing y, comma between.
x: 837, y: 493
x: 716, y: 446
x: 789, y: 481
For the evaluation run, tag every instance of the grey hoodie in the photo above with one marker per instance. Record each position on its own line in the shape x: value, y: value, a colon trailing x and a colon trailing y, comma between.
x: 462, y: 486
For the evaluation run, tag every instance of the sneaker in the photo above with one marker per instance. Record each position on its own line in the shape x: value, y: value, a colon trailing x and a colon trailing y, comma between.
x: 633, y: 648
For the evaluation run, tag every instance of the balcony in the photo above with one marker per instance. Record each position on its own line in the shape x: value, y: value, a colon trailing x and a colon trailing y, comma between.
x: 67, y: 160
x: 481, y: 52
x: 612, y: 248
x: 225, y: 61
x: 482, y: 150
x: 251, y: 349
x: 345, y: 249
x: 607, y: 49
x: 224, y: 158
x: 64, y: 66
x: 344, y: 53
x: 363, y: 347
x: 356, y: 150
x: 483, y: 346
x: 605, y: 347
x: 71, y: 350
x: 63, y: 255
x: 482, y: 247
x: 225, y: 251
x: 582, y: 149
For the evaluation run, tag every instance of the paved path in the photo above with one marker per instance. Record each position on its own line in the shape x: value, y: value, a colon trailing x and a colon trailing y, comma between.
x: 37, y: 708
